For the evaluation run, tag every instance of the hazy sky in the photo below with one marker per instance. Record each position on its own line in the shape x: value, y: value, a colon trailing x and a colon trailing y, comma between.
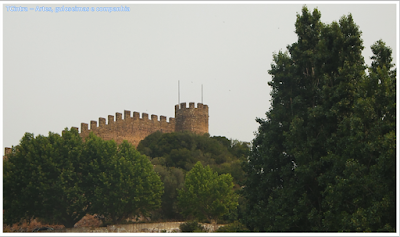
x: 62, y: 69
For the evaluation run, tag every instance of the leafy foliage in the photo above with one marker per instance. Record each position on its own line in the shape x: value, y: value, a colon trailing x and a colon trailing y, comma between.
x: 324, y: 158
x: 174, y: 154
x: 172, y: 179
x: 42, y: 178
x: 206, y: 195
x: 192, y: 226
x: 120, y: 181
x: 60, y: 179
x: 183, y: 149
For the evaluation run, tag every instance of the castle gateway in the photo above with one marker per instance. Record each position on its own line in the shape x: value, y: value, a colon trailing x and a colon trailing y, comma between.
x: 134, y: 129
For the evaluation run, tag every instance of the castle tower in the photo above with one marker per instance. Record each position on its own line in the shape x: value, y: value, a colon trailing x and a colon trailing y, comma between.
x: 191, y: 119
x: 135, y: 128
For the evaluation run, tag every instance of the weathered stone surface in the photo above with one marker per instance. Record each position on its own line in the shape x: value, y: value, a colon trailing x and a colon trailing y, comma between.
x: 134, y: 129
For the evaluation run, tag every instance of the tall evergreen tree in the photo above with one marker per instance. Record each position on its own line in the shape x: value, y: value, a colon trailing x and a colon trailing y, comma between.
x: 303, y: 149
x: 362, y: 197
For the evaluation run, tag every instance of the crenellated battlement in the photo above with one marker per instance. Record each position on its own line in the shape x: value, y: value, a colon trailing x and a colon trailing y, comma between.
x: 131, y: 127
x: 194, y: 119
x: 127, y: 117
x: 191, y: 106
x: 134, y: 128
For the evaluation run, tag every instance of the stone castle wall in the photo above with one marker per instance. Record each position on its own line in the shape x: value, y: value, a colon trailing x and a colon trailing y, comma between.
x: 135, y: 128
x: 191, y: 118
x: 130, y: 128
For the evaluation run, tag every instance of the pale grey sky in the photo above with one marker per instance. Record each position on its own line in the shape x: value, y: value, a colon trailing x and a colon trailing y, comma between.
x: 61, y: 69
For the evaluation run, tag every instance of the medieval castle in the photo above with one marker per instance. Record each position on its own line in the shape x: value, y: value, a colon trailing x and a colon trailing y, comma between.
x: 134, y: 129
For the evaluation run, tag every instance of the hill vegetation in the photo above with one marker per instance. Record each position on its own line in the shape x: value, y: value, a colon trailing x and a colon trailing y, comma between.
x: 174, y: 154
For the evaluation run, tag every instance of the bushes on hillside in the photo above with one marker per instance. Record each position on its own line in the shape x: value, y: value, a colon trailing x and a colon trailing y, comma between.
x: 192, y: 226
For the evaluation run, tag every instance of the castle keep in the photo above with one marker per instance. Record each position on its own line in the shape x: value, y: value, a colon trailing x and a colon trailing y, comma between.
x: 134, y: 129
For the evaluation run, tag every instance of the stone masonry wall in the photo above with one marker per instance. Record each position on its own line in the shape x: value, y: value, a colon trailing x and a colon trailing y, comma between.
x: 191, y: 119
x: 131, y: 128
x: 134, y: 129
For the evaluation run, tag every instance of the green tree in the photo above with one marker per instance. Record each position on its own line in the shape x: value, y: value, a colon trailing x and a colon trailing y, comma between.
x: 42, y: 178
x: 362, y: 197
x: 173, y: 179
x: 183, y: 150
x: 120, y: 181
x: 174, y: 154
x: 206, y: 195
x: 326, y: 137
x: 61, y: 178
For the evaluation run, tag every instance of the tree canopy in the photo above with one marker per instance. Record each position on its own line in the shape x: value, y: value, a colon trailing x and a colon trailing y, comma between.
x: 206, y: 195
x: 62, y: 178
x: 174, y: 154
x: 324, y: 158
x: 42, y: 177
x: 183, y: 149
x: 120, y: 182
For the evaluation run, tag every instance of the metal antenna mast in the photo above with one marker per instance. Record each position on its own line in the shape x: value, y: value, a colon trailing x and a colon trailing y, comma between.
x: 202, y: 93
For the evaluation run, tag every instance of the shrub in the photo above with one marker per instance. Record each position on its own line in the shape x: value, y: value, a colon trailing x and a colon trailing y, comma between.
x: 193, y: 226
